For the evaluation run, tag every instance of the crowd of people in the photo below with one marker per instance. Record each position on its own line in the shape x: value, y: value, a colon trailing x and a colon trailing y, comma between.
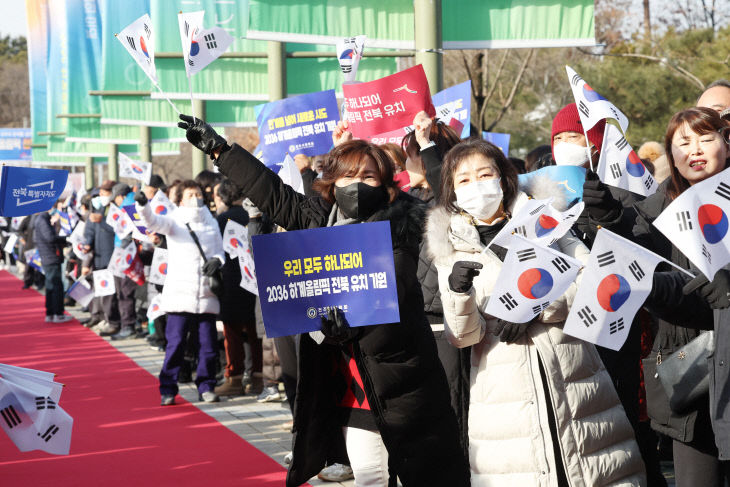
x: 449, y: 395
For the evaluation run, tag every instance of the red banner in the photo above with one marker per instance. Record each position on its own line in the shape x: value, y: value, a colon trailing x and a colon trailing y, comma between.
x: 387, y: 104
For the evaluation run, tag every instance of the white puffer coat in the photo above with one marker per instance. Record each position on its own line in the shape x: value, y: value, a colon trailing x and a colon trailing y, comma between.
x: 510, y: 441
x: 186, y: 287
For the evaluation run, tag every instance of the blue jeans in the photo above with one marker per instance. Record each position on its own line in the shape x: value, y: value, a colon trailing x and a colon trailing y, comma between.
x: 176, y: 330
x: 54, y: 289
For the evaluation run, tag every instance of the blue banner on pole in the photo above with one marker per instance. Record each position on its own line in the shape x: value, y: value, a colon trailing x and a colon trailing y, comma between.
x: 298, y: 125
x: 302, y: 274
x: 500, y: 140
x: 15, y: 144
x: 569, y: 180
x: 460, y: 96
x: 27, y: 190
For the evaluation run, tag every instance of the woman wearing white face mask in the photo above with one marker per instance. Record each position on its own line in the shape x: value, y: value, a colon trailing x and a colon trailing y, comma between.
x: 187, y: 298
x: 542, y: 408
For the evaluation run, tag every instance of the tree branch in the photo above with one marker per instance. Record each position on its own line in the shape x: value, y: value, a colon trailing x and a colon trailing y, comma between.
x: 488, y: 97
x: 510, y: 98
x: 661, y: 60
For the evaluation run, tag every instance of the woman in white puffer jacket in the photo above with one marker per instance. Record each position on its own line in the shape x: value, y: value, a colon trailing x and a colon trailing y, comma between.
x: 543, y: 410
x: 186, y: 297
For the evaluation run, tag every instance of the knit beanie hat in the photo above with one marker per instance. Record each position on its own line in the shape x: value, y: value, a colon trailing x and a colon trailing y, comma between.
x: 568, y: 120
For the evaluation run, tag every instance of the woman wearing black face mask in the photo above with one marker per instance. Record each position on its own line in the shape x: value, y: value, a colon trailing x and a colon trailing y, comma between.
x: 388, y: 401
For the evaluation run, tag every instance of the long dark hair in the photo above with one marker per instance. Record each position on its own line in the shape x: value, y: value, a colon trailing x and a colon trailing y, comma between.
x: 699, y: 120
x: 348, y: 158
x: 470, y: 147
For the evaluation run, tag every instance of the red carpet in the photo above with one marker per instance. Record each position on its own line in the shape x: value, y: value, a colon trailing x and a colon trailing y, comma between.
x: 121, y: 436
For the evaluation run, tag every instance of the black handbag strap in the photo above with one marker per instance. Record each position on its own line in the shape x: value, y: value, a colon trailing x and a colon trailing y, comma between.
x: 197, y: 242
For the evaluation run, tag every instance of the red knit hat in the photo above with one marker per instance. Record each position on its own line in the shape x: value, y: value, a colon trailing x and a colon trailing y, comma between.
x: 568, y: 120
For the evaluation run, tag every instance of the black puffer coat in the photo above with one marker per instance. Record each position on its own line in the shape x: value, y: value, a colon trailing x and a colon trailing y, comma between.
x: 670, y: 335
x: 237, y: 304
x: 402, y: 376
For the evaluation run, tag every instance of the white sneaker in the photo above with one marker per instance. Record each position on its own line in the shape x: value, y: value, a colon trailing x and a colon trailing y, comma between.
x: 50, y: 318
x: 62, y: 318
x: 336, y: 472
x: 97, y: 326
x: 288, y: 457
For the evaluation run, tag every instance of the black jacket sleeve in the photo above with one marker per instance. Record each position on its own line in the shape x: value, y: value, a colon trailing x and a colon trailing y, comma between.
x: 667, y: 301
x: 432, y: 162
x: 265, y: 189
x: 308, y: 177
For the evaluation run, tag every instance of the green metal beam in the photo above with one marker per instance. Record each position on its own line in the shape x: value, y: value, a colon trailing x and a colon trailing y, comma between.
x: 38, y: 146
x: 78, y: 115
x: 293, y: 54
x: 51, y: 133
x: 277, y: 70
x: 427, y: 19
x: 119, y: 93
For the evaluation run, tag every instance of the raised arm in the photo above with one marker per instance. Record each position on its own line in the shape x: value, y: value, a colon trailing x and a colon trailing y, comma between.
x: 257, y: 182
x: 154, y: 223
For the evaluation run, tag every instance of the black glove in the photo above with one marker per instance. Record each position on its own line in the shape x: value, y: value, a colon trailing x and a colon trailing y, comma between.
x: 140, y: 198
x: 463, y: 274
x: 509, y: 332
x: 600, y: 203
x: 202, y: 135
x: 211, y: 265
x: 336, y: 328
x: 716, y: 293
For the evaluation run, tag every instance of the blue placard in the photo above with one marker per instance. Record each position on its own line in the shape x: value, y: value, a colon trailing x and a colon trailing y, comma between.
x: 569, y: 179
x: 298, y: 125
x: 27, y: 190
x: 461, y: 94
x: 500, y: 140
x: 301, y: 274
x: 15, y: 144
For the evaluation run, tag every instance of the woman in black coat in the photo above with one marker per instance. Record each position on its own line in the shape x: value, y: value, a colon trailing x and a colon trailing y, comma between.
x: 696, y: 151
x: 401, y: 393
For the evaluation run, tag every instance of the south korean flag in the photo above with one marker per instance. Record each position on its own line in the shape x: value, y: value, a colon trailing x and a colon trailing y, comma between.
x: 137, y: 39
x: 158, y: 268
x: 696, y: 222
x: 616, y: 282
x: 349, y: 53
x: 531, y: 278
x: 592, y: 107
x: 200, y: 46
x: 619, y: 165
x: 235, y: 239
x: 539, y: 222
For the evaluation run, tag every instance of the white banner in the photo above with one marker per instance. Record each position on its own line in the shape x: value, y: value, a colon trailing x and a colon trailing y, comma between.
x: 10, y: 244
x: 616, y: 282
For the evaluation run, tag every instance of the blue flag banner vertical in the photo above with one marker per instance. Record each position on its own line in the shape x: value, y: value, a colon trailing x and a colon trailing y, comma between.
x: 458, y: 100
x: 302, y: 274
x: 298, y: 125
x: 500, y: 140
x: 27, y: 190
